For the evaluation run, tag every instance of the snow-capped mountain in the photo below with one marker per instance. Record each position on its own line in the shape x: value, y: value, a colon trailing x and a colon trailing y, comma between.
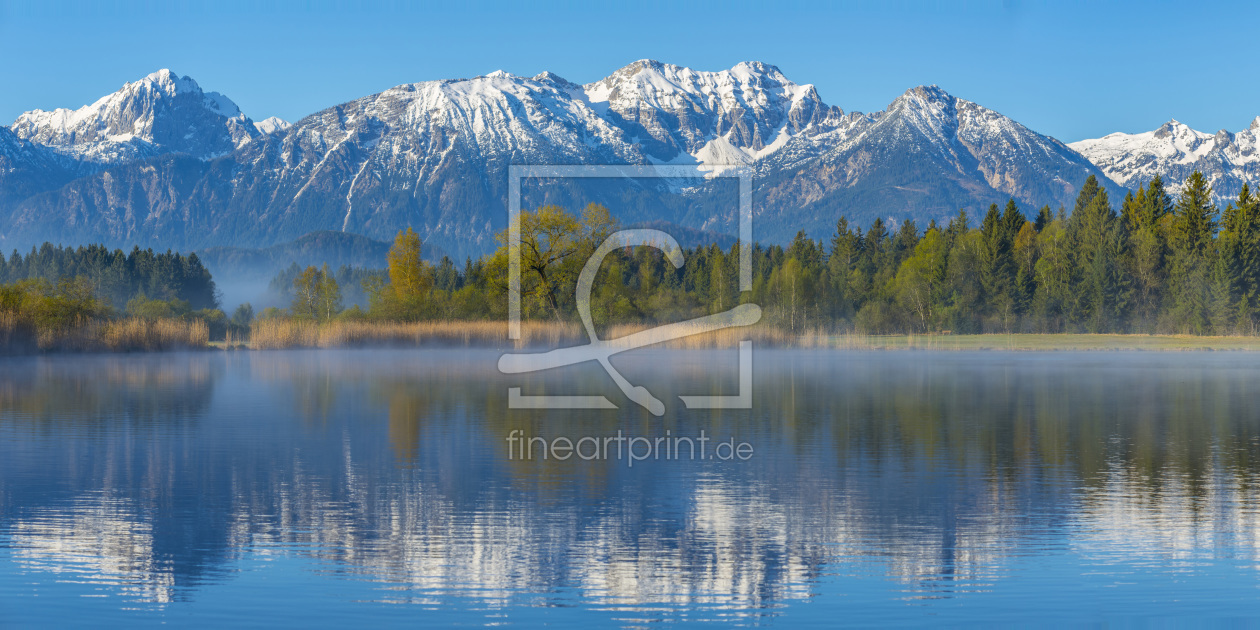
x: 924, y: 157
x: 161, y: 113
x: 434, y: 156
x: 1174, y: 151
x: 729, y: 117
x: 272, y: 125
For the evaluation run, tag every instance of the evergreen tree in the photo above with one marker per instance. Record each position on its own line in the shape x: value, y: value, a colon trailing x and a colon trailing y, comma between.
x: 1044, y: 217
x: 1088, y: 191
x: 1192, y: 229
x: 1097, y: 237
x: 1158, y: 202
x: 846, y: 248
x: 997, y: 275
x: 1236, y: 278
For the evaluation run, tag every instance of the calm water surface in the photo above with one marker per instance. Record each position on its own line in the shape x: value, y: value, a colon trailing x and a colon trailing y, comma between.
x: 325, y: 488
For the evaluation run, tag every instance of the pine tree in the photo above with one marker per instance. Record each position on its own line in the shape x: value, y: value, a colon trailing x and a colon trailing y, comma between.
x: 1193, y: 226
x: 1235, y: 278
x: 1025, y: 250
x: 907, y: 238
x: 1158, y: 202
x: 998, y: 273
x: 846, y: 247
x: 1096, y: 237
x: 1088, y: 191
x: 1131, y: 210
x: 1044, y: 217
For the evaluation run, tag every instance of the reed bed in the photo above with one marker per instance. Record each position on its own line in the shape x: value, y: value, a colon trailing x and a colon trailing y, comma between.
x: 18, y: 336
x: 277, y: 333
x: 759, y: 334
x: 136, y: 334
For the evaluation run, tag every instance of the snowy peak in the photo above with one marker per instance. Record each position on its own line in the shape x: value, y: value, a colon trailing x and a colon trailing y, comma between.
x: 546, y: 76
x: 271, y: 125
x: 748, y: 85
x: 967, y: 151
x: 1179, y: 133
x: 714, y: 117
x: 924, y: 96
x: 1175, y: 150
x: 168, y: 82
x: 436, y: 155
x: 496, y: 118
x: 927, y: 108
x: 160, y: 113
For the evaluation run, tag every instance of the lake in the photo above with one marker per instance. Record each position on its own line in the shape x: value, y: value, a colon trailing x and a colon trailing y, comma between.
x: 326, y: 488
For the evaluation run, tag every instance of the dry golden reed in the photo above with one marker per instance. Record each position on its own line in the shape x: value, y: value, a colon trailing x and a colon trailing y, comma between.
x: 287, y: 333
x: 276, y: 333
x: 93, y: 335
x: 134, y: 333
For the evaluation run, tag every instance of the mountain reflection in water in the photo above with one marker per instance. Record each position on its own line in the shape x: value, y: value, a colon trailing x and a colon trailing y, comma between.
x: 883, y: 487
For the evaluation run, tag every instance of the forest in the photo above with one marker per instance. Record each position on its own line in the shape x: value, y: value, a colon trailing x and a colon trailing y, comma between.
x: 1157, y: 264
x: 116, y: 277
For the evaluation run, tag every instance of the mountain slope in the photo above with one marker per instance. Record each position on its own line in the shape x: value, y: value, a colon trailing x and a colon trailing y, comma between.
x: 27, y: 169
x: 924, y: 157
x: 435, y: 155
x: 161, y: 113
x: 1174, y: 151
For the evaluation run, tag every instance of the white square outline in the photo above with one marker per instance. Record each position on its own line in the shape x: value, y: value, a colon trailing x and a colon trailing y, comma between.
x: 516, y: 172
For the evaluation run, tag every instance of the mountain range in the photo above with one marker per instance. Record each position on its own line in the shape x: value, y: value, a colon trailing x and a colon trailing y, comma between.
x: 163, y: 163
x: 1174, y: 151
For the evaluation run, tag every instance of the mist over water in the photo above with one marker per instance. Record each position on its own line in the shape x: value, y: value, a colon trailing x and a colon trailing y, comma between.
x: 312, y: 487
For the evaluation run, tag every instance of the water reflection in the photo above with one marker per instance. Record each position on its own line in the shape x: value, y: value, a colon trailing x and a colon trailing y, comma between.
x: 886, y: 478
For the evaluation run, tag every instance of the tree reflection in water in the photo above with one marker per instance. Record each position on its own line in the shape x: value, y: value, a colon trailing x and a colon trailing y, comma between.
x: 155, y: 475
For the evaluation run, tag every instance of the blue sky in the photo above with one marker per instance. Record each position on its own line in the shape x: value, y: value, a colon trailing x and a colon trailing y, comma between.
x: 1069, y: 70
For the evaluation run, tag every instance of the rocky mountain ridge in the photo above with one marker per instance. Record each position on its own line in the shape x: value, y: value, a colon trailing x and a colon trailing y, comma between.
x: 434, y: 156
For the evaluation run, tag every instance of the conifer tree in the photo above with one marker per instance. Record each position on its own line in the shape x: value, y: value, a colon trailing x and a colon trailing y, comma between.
x: 1158, y: 202
x: 1192, y: 229
x: 997, y: 275
x: 846, y: 248
x: 1044, y: 217
x: 1235, y: 275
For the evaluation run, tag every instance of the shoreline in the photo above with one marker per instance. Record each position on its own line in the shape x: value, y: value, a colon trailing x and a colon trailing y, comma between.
x: 136, y: 335
x: 986, y: 342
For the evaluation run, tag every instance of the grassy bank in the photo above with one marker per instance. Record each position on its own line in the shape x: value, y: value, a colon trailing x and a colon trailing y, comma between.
x: 1040, y: 342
